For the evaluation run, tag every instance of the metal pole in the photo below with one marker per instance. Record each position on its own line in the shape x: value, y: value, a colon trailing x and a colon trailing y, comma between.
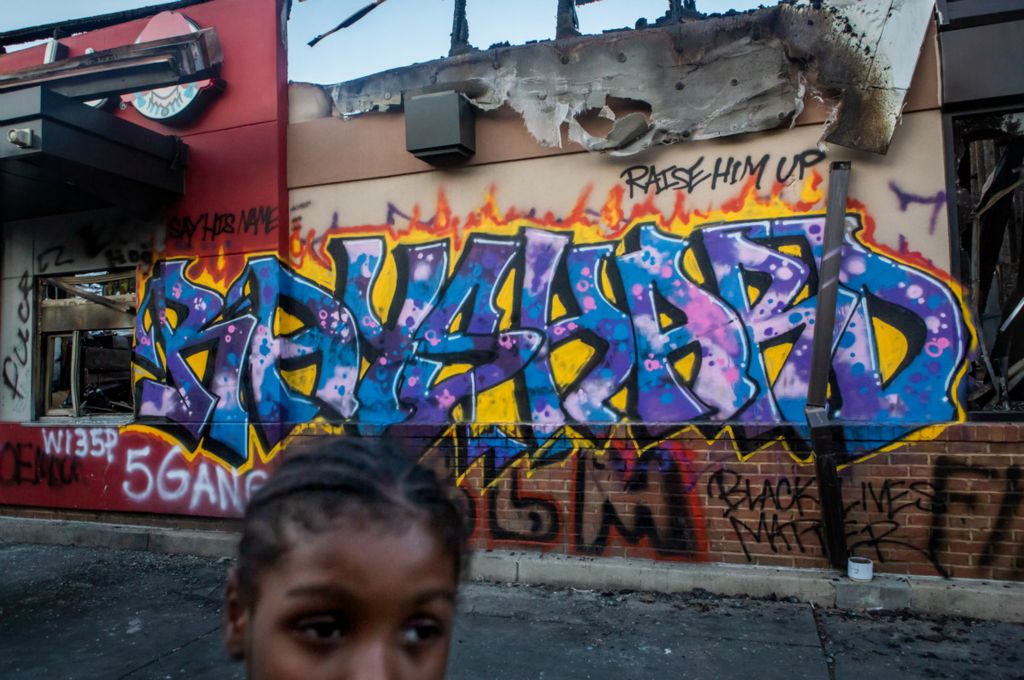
x: 825, y: 458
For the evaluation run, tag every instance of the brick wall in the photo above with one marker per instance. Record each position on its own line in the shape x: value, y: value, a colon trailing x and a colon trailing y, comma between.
x: 951, y: 506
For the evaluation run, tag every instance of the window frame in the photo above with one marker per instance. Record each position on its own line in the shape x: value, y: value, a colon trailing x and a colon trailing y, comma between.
x: 75, y: 315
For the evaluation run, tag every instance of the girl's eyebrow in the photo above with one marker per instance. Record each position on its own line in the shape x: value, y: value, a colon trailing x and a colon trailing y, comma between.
x: 436, y: 593
x: 320, y: 591
x: 334, y: 592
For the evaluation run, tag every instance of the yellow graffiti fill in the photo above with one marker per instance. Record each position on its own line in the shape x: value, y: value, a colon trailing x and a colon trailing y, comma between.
x: 810, y: 192
x: 774, y: 359
x: 498, y: 404
x: 607, y: 289
x: 456, y: 325
x: 620, y: 400
x: 139, y: 373
x: 558, y: 309
x: 301, y: 380
x: 198, y: 362
x: 892, y: 347
x: 505, y: 301
x: 692, y: 267
x: 285, y: 323
x: 147, y: 321
x: 172, y: 317
x: 686, y: 366
x: 451, y: 370
x: 568, y: 360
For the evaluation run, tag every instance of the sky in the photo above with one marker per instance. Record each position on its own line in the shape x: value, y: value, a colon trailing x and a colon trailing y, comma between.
x: 397, y: 33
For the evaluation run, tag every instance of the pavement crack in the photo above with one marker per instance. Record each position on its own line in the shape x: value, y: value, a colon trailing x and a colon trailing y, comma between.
x: 826, y: 643
x: 160, y: 657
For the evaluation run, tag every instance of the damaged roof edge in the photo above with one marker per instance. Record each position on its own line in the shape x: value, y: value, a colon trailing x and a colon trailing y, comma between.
x: 715, y: 77
x: 62, y: 29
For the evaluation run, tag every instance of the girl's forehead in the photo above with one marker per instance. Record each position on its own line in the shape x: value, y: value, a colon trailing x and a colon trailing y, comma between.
x: 368, y: 550
x: 362, y: 570
x: 352, y: 518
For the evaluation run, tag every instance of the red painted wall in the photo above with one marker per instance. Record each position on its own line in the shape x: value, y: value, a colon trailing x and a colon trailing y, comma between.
x: 236, y: 167
x: 237, y: 143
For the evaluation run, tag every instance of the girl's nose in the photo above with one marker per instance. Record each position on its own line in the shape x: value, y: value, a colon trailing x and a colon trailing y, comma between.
x: 370, y: 660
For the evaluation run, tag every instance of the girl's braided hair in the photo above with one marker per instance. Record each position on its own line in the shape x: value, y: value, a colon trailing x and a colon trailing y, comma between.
x: 324, y: 479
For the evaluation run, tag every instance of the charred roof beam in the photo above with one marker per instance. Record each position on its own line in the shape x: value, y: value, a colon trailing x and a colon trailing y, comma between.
x: 568, y: 23
x: 131, y: 68
x: 460, y: 30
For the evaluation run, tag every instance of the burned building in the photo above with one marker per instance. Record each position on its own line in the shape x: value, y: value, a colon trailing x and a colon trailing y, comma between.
x: 715, y: 288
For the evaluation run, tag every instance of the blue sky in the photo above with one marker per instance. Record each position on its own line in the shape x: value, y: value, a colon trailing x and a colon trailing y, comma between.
x: 397, y: 33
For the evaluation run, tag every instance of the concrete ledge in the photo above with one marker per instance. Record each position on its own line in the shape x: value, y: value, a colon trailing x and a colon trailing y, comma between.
x: 999, y: 600
x: 617, y: 573
x: 883, y: 592
x: 202, y: 543
x: 118, y: 536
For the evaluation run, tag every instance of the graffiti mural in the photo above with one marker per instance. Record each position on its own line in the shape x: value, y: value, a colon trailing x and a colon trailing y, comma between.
x: 594, y: 383
x: 546, y: 324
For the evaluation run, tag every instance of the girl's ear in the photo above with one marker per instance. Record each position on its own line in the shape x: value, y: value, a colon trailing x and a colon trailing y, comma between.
x: 236, y: 617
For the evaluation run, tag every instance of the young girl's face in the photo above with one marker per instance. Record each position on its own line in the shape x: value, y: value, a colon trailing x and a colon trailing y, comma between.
x: 366, y: 601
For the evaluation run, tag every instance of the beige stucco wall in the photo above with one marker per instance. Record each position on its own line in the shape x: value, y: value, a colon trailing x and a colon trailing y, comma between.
x: 555, y: 184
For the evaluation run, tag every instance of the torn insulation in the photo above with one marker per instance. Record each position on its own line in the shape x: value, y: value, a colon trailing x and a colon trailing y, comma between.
x: 692, y: 80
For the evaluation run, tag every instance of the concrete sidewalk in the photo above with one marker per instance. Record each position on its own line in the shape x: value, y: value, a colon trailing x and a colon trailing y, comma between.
x: 81, y: 613
x: 998, y: 600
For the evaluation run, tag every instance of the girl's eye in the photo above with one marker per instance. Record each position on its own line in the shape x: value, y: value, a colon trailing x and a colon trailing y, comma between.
x: 421, y: 630
x: 320, y: 628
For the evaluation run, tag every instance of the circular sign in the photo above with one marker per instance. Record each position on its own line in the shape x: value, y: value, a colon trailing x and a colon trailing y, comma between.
x: 166, y: 103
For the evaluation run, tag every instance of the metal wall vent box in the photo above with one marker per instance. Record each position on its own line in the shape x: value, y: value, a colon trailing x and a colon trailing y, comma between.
x: 439, y: 128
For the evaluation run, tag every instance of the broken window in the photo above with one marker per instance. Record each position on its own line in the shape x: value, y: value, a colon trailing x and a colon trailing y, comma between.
x: 86, y: 327
x: 989, y: 153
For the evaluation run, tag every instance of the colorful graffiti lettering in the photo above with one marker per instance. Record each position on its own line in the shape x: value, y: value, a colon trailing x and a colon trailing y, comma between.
x: 544, y: 325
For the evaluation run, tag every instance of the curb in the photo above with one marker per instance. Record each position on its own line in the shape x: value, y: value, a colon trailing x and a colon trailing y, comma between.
x: 118, y: 536
x: 997, y: 600
x: 932, y: 595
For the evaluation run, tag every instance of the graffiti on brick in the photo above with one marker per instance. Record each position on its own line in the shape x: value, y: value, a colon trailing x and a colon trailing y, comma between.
x: 939, y: 520
x: 1002, y: 488
x: 621, y: 499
